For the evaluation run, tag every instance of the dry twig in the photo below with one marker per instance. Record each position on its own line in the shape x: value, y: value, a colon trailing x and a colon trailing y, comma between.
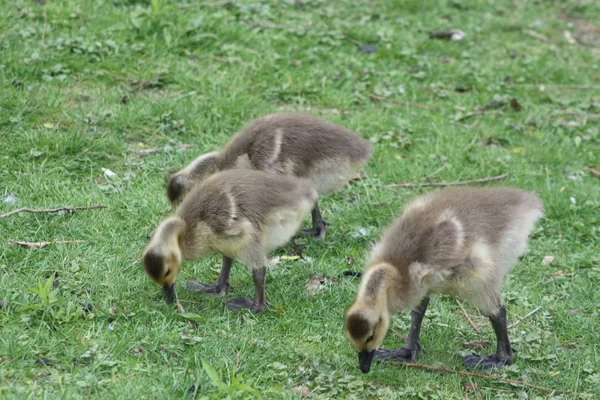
x: 490, y: 377
x: 39, y: 245
x: 435, y: 172
x: 165, y: 148
x: 408, y: 103
x: 460, y: 183
x: 53, y: 210
x: 276, y: 27
x: 472, y: 114
x: 467, y: 317
x: 529, y: 314
x: 216, y: 4
x: 558, y: 85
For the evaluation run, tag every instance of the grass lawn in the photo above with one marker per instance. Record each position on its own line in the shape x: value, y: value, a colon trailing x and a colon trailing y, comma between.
x: 86, y: 85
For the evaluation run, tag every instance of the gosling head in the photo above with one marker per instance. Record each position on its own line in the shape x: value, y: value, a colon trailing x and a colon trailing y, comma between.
x: 180, y: 182
x: 162, y: 256
x: 367, y: 320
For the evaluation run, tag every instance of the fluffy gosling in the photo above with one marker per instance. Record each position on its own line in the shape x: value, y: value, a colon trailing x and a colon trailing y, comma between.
x: 287, y: 144
x: 241, y: 214
x: 457, y: 242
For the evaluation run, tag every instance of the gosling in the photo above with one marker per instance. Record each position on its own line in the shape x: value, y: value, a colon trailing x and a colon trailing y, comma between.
x: 457, y: 242
x: 241, y: 214
x: 287, y: 144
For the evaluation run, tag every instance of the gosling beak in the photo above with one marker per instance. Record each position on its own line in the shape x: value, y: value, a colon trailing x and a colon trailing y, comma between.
x: 364, y: 360
x: 169, y: 292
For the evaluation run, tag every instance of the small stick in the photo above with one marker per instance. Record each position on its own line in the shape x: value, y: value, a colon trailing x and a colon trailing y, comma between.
x: 538, y: 36
x: 475, y: 328
x: 134, y: 262
x: 558, y: 85
x: 472, y: 114
x: 237, y: 363
x: 277, y: 27
x: 166, y: 148
x: 39, y: 245
x: 435, y: 172
x: 460, y: 183
x: 408, y: 103
x: 217, y: 4
x: 529, y: 314
x: 219, y: 59
x: 45, y: 24
x: 401, y: 336
x: 140, y: 85
x: 53, y: 210
x: 492, y: 378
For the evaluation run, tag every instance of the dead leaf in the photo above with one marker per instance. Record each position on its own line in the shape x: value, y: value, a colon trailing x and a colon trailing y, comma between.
x: 45, y: 361
x: 476, y: 344
x: 10, y: 199
x: 350, y: 260
x: 515, y: 105
x: 303, y: 391
x: 568, y: 37
x: 595, y: 172
x: 469, y: 387
x: 489, y: 142
x: 547, y: 260
x: 562, y: 273
x: 297, y: 250
x: 274, y: 260
x: 137, y: 352
x: 115, y: 307
x: 450, y: 60
x: 316, y: 281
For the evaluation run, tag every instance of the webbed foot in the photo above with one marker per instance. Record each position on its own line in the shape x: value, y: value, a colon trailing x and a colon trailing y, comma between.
x: 217, y: 289
x: 245, y: 302
x: 485, y: 363
x: 317, y: 233
x: 402, y: 354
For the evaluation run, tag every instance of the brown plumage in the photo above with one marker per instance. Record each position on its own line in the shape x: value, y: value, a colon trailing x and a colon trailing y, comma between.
x: 287, y: 144
x: 241, y: 214
x: 458, y: 242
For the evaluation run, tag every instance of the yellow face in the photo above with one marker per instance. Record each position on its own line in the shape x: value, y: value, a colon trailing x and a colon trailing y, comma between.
x: 366, y: 333
x: 366, y: 328
x: 163, y: 267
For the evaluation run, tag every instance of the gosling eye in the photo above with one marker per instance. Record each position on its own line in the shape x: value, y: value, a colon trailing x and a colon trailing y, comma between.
x: 369, y: 339
x: 168, y: 272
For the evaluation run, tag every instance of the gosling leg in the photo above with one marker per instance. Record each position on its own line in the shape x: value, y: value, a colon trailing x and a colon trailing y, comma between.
x: 260, y: 301
x: 411, y: 348
x: 503, y: 354
x: 219, y: 289
x: 318, y: 224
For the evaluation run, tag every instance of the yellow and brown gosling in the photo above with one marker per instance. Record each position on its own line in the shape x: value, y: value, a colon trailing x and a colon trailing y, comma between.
x: 287, y: 144
x: 240, y: 214
x: 457, y: 242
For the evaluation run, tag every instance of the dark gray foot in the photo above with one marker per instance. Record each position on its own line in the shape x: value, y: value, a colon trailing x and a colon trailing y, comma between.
x: 217, y: 289
x: 402, y: 355
x: 244, y: 302
x: 485, y: 363
x: 317, y: 234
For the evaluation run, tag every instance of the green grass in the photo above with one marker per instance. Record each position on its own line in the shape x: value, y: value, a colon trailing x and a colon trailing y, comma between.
x: 195, y: 76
